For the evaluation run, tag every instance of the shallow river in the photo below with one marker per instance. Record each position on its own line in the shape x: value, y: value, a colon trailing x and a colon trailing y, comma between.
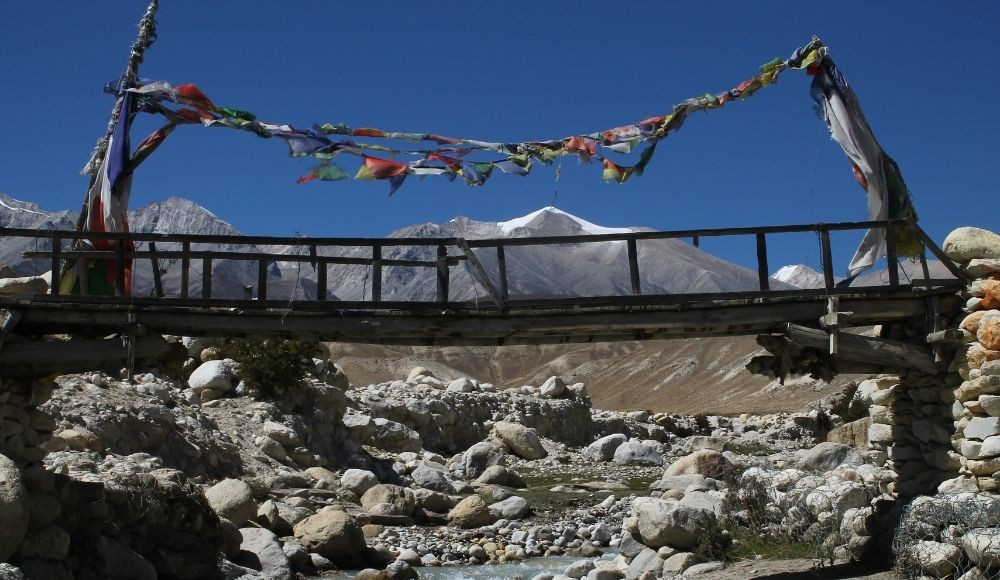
x: 524, y: 570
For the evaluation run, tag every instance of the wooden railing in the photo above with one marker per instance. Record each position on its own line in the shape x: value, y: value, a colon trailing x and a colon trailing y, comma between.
x: 449, y: 252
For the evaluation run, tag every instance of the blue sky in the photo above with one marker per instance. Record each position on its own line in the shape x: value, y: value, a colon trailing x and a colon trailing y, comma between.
x: 517, y: 71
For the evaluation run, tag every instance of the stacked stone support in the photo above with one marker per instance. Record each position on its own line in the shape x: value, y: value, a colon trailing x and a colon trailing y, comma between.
x: 976, y: 363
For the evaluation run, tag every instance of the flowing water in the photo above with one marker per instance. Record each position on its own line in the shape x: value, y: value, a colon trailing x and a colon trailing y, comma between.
x: 523, y: 570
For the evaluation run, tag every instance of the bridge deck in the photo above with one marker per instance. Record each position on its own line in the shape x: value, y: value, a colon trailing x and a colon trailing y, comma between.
x: 497, y: 318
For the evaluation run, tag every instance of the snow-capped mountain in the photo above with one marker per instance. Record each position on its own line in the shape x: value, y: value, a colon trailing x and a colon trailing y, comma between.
x: 799, y: 276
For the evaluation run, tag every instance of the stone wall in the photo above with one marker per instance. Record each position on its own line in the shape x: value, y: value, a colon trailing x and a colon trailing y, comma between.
x: 976, y: 363
x: 130, y: 525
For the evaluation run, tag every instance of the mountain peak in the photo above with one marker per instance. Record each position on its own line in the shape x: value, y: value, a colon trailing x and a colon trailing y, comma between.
x: 538, y: 216
x: 800, y: 276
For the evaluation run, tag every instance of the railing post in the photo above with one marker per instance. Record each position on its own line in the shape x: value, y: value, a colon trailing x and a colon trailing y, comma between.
x: 376, y: 273
x: 185, y: 267
x: 120, y: 267
x: 154, y: 263
x: 206, y: 278
x: 827, y: 258
x: 633, y: 267
x: 56, y: 264
x: 695, y: 241
x: 502, y: 270
x: 261, y: 279
x: 442, y: 273
x: 321, y: 292
x: 890, y: 255
x: 763, y: 278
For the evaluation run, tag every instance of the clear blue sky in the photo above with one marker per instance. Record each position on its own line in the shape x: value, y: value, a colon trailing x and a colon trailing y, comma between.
x: 516, y: 71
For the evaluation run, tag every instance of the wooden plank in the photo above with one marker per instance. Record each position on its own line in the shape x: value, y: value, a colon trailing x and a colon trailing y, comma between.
x: 38, y: 358
x: 502, y: 269
x: 892, y: 263
x: 763, y: 277
x: 262, y: 279
x: 948, y: 336
x: 397, y: 242
x: 633, y: 267
x: 480, y: 273
x: 157, y: 275
x: 206, y: 278
x: 828, y: 280
x: 443, y: 274
x: 867, y: 349
x: 185, y: 267
x: 939, y: 254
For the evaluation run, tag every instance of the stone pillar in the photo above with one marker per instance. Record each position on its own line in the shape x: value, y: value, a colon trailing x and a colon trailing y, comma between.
x: 976, y: 363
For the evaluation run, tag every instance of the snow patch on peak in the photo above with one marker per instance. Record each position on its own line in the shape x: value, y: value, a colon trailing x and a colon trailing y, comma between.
x: 591, y: 228
x: 800, y: 276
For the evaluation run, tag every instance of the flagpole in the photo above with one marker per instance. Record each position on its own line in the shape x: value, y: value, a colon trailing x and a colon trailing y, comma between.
x: 146, y: 37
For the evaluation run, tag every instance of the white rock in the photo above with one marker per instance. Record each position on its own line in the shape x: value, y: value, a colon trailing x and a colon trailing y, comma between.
x: 990, y: 404
x: 553, y: 387
x: 281, y: 433
x: 666, y: 523
x: 982, y: 427
x: 358, y: 480
x: 513, y: 508
x: 218, y: 375
x: 462, y: 385
x: 522, y: 441
x: 968, y: 243
x: 604, y: 448
x: 982, y: 545
x: 635, y: 452
x: 263, y: 551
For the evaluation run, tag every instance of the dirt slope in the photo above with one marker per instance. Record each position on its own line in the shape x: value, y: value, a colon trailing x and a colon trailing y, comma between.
x: 678, y: 376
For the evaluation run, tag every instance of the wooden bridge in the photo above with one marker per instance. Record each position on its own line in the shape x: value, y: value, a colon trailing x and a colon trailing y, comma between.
x: 498, y: 319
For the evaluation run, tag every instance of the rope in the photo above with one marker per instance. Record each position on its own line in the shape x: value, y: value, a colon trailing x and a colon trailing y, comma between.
x: 147, y: 36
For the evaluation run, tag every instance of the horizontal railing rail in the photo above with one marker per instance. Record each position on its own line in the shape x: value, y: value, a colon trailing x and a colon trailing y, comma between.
x: 450, y: 251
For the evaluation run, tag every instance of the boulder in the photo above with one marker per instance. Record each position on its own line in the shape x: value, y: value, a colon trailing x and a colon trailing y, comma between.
x: 232, y: 499
x: 982, y: 545
x: 686, y: 481
x: 937, y: 559
x: 477, y: 458
x: 604, y: 448
x: 416, y: 372
x: 678, y: 563
x: 854, y: 433
x: 522, y: 441
x: 358, y: 480
x: 14, y: 509
x: 279, y: 517
x: 828, y: 456
x: 462, y: 385
x: 645, y: 562
x: 471, y: 512
x: 217, y: 375
x: 433, y: 479
x: 333, y: 534
x: 261, y: 551
x: 512, y: 508
x: 668, y: 523
x: 401, y: 499
x: 281, y: 433
x: 969, y: 243
x: 703, y: 462
x: 553, y: 387
x: 500, y: 475
x: 396, y: 437
x: 636, y: 452
x: 323, y: 477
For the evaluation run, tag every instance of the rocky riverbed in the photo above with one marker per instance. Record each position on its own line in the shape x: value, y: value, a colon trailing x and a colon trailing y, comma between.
x: 408, y: 475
